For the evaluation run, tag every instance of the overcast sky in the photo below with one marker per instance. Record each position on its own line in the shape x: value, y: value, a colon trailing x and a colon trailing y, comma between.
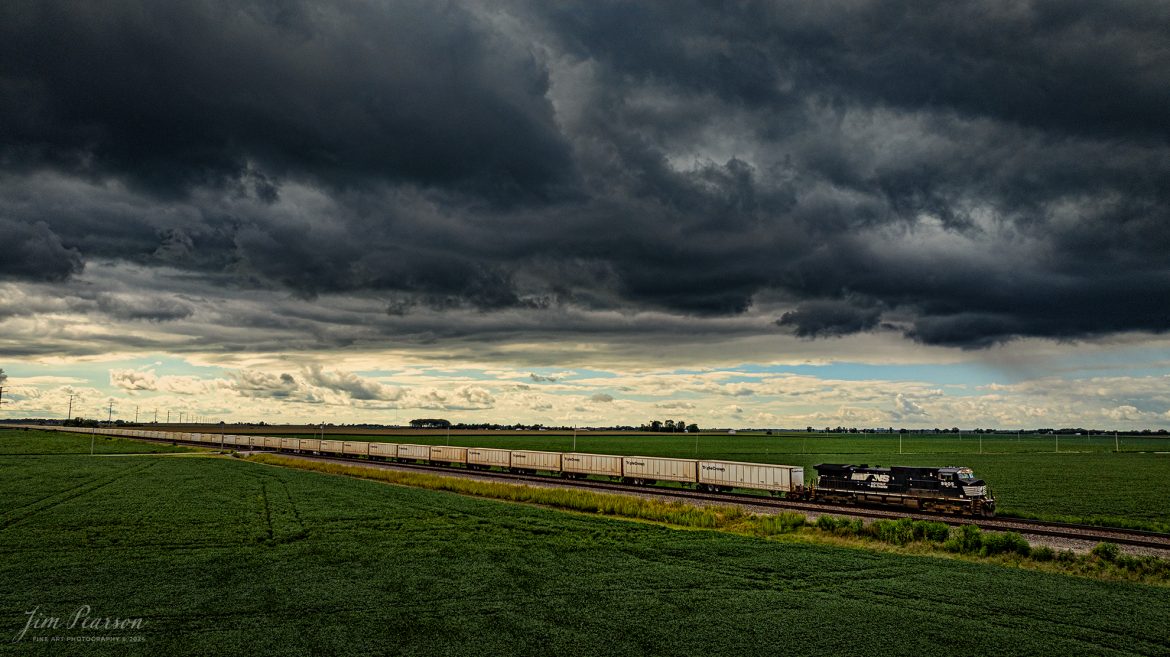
x: 741, y: 214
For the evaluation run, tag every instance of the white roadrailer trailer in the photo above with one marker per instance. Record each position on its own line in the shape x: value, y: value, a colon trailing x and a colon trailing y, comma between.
x: 355, y: 448
x: 414, y: 452
x: 725, y: 475
x: 309, y: 445
x: 330, y: 446
x: 446, y: 454
x: 531, y: 461
x: 583, y: 465
x: 649, y: 469
x: 384, y: 450
x: 482, y: 458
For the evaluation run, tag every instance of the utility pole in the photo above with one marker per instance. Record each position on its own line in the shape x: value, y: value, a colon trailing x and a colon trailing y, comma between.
x: 574, y: 437
x: 168, y: 417
x: 69, y: 414
x: 110, y: 418
x: 1116, y: 445
x: 136, y: 414
x: 156, y: 416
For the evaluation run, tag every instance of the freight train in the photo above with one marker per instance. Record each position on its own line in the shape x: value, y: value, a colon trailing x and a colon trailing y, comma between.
x: 947, y: 489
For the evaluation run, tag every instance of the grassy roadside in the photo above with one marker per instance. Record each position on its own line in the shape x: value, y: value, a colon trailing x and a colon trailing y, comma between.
x: 909, y: 536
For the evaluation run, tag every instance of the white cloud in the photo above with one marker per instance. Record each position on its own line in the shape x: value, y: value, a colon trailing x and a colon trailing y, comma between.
x: 131, y: 380
x: 905, y: 408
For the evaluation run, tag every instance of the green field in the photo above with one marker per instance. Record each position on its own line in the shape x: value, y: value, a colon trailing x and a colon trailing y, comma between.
x: 15, y: 442
x: 1086, y: 480
x: 220, y: 556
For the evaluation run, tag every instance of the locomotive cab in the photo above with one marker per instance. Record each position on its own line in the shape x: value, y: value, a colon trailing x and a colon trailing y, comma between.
x: 964, y: 481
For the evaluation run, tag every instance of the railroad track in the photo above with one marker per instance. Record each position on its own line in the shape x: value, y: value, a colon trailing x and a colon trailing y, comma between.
x: 1077, y: 532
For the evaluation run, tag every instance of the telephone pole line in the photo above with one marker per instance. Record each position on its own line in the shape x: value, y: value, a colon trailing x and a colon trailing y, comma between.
x: 69, y: 414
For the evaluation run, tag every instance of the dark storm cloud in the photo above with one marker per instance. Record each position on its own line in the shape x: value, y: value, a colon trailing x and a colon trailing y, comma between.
x: 34, y: 252
x: 176, y: 94
x: 138, y: 308
x: 816, y: 319
x: 1087, y: 68
x: 968, y: 174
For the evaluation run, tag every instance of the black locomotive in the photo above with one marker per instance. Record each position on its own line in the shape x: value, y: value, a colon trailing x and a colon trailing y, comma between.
x: 950, y: 489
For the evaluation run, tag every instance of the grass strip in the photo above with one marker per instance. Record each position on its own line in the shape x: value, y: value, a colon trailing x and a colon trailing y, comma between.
x: 1116, y: 522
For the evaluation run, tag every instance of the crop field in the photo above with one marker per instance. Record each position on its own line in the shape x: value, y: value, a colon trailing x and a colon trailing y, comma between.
x: 1086, y: 480
x: 14, y: 442
x: 221, y: 556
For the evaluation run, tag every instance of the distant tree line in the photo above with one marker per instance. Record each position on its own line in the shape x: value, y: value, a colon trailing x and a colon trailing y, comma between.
x: 430, y: 423
x: 669, y: 426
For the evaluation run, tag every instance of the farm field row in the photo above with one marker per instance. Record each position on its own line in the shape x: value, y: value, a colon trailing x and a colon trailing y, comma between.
x: 223, y: 556
x: 16, y: 442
